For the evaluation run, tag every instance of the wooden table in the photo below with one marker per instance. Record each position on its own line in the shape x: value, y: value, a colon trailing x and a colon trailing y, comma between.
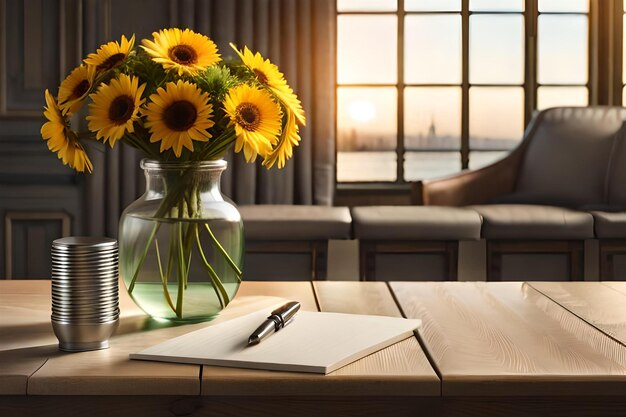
x: 485, y: 349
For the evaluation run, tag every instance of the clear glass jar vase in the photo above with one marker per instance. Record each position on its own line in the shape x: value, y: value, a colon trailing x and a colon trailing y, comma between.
x: 181, y: 243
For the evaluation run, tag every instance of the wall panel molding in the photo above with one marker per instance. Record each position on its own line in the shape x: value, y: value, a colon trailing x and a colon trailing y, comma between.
x: 40, y: 42
x: 34, y: 225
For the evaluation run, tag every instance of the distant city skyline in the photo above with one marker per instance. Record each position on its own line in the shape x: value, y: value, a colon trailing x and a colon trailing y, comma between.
x: 496, y: 114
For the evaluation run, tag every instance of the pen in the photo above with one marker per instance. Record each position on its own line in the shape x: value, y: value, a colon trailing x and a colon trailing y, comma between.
x: 278, y: 319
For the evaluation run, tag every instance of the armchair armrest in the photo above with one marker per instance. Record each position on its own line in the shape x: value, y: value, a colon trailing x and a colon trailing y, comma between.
x: 470, y: 187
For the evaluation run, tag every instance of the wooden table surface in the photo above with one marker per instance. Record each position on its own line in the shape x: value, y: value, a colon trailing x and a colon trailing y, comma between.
x: 526, y: 349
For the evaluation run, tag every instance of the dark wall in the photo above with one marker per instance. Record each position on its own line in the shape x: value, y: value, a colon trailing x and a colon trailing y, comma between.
x: 41, y: 41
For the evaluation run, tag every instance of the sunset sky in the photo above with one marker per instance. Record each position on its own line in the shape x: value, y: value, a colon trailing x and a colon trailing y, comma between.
x: 367, y: 55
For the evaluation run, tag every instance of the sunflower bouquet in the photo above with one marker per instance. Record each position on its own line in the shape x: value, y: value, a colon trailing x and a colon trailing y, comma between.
x: 176, y: 101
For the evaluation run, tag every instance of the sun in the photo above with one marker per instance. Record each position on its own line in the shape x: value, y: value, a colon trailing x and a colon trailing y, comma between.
x: 362, y: 111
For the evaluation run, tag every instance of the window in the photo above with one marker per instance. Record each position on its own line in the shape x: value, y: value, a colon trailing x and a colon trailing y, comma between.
x: 623, y: 83
x: 426, y: 88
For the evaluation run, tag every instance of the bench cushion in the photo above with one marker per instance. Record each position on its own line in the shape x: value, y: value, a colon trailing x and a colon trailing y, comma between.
x: 295, y: 222
x: 415, y: 223
x: 525, y: 221
x: 609, y: 225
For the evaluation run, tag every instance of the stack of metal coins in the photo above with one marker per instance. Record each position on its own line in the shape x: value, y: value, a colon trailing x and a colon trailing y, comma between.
x: 85, y: 292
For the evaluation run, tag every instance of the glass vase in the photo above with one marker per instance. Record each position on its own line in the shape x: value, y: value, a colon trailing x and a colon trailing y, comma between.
x: 182, y: 242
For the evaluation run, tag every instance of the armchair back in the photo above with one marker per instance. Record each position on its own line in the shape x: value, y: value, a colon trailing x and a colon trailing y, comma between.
x: 566, y: 162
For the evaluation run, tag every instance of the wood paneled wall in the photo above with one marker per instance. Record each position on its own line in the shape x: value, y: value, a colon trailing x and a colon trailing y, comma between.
x: 40, y: 42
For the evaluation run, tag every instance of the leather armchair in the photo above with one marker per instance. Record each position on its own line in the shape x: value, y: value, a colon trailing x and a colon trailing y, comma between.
x: 536, y: 199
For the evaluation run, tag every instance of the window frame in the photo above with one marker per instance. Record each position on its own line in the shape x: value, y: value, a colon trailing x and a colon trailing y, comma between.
x: 530, y: 85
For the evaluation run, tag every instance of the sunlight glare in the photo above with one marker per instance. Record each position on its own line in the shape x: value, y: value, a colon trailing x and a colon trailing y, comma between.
x: 362, y: 111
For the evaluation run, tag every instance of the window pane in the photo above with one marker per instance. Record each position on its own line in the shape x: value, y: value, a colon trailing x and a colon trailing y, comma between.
x: 361, y: 41
x: 481, y: 159
x: 425, y: 165
x: 496, y: 49
x: 562, y: 47
x: 432, y: 5
x: 366, y: 127
x: 366, y: 5
x: 366, y: 166
x: 561, y: 96
x: 496, y: 5
x: 496, y: 117
x: 433, y: 51
x: 574, y: 6
x: 432, y: 118
x: 366, y: 118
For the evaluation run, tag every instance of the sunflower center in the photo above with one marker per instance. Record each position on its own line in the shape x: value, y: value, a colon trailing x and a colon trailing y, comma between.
x: 248, y: 116
x: 180, y: 116
x: 112, y: 61
x: 80, y: 89
x: 121, y: 109
x: 183, y: 54
x: 260, y: 75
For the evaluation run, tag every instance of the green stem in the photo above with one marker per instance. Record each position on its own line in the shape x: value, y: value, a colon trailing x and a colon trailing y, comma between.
x: 139, y: 144
x: 217, y: 283
x: 155, y: 229
x: 187, y: 241
x: 166, y: 291
x: 221, y: 249
x: 170, y: 258
x: 181, y: 271
x: 222, y: 143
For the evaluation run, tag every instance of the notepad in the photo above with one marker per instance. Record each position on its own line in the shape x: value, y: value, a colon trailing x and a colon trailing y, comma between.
x: 314, y: 342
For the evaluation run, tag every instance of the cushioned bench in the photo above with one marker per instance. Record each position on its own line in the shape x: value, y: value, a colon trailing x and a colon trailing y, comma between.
x: 290, y: 242
x: 537, y: 200
x: 610, y: 229
x: 412, y: 230
x: 532, y: 229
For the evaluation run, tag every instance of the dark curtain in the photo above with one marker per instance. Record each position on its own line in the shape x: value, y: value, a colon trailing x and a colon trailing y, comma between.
x: 298, y: 36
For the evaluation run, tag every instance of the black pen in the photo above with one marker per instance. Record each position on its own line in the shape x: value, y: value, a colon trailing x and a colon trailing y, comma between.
x: 278, y: 319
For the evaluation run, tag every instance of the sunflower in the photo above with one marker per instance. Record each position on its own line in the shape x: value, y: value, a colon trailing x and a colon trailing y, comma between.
x: 74, y: 88
x: 115, y: 108
x: 268, y: 74
x: 111, y: 55
x: 61, y: 139
x: 182, y: 51
x: 177, y: 115
x: 284, y: 150
x: 257, y: 120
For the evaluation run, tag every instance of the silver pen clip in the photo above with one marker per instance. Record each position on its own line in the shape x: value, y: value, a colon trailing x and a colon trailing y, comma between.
x: 278, y: 319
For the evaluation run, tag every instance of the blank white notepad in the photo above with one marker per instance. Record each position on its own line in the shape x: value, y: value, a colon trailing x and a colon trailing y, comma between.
x: 313, y: 342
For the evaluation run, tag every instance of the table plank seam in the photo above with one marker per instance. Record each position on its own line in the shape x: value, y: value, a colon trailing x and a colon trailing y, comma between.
x: 613, y: 288
x: 421, y: 342
x: 318, y: 305
x: 33, y: 373
x: 575, y: 314
x: 200, y: 376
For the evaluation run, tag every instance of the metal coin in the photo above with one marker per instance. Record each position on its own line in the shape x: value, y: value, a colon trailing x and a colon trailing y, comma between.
x: 85, y: 314
x: 98, y: 321
x: 77, y: 285
x: 83, y: 256
x: 92, y: 277
x: 77, y: 305
x: 64, y: 257
x: 88, y: 294
x: 59, y: 321
x: 81, y: 241
x: 104, y: 266
x: 68, y: 302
